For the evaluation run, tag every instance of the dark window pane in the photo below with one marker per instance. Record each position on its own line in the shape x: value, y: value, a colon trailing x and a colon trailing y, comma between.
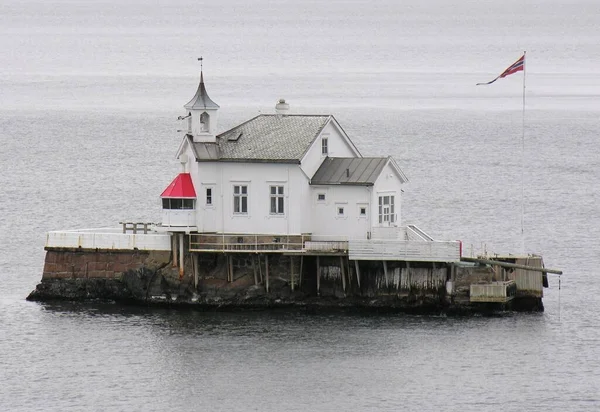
x: 176, y: 203
x: 273, y: 206
x: 166, y: 204
x: 244, y: 189
x: 244, y: 205
x: 273, y: 190
x: 280, y: 205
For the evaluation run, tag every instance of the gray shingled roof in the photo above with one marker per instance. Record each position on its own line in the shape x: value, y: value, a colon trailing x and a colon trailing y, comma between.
x: 201, y: 99
x: 349, y: 171
x: 271, y: 138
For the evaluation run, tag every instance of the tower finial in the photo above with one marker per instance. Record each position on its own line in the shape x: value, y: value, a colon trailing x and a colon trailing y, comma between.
x: 200, y: 59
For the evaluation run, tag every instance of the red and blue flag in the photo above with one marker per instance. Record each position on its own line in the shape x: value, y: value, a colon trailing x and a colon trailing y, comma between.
x: 517, y: 66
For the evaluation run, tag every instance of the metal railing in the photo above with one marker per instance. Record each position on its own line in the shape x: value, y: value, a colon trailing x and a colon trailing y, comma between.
x: 246, y: 242
x: 205, y: 242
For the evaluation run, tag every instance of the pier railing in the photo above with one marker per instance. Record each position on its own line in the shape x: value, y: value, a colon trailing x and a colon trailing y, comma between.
x: 246, y: 242
x: 266, y: 243
x: 409, y: 250
x: 108, y: 238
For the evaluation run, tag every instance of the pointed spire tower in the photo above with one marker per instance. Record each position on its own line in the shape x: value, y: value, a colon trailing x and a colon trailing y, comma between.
x: 202, y: 114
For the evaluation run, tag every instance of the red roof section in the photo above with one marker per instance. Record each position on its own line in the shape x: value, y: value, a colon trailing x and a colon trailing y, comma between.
x: 180, y: 187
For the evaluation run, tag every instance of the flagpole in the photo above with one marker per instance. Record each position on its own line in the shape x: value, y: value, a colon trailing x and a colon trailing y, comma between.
x: 523, y: 162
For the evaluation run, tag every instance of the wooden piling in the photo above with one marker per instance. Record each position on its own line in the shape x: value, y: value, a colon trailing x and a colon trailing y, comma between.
x: 230, y: 271
x: 343, y: 273
x: 357, y: 273
x: 292, y: 272
x: 318, y: 276
x: 181, y: 265
x: 196, y: 263
x: 301, y: 270
x: 174, y: 247
x: 267, y: 272
x: 385, y: 273
x: 254, y: 270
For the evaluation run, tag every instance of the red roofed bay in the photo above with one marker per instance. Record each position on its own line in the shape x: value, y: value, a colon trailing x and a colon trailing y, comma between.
x: 180, y: 187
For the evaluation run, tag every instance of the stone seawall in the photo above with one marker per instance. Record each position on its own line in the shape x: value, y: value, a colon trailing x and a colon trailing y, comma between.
x: 216, y: 280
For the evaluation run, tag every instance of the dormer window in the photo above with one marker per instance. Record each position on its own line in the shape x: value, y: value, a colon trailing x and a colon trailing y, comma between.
x: 204, y: 122
x: 324, y: 146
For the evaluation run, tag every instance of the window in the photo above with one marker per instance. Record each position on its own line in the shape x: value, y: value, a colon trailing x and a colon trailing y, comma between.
x: 240, y: 199
x: 362, y: 211
x: 204, y: 125
x: 386, y: 209
x: 276, y: 198
x: 178, y: 204
x: 209, y: 196
x: 324, y: 146
x: 340, y: 210
x: 321, y: 197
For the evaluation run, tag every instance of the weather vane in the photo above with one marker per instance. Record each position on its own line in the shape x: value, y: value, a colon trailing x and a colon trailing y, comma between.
x: 200, y: 60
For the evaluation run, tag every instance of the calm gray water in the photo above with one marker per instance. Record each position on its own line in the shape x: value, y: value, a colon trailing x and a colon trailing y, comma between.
x: 89, y: 94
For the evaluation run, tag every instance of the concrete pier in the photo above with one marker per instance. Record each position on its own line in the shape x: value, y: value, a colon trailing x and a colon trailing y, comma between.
x: 281, y: 277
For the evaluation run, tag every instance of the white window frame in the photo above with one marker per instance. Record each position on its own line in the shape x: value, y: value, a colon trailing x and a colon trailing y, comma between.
x: 386, y: 212
x: 324, y: 194
x: 238, y: 198
x: 363, y: 206
x: 210, y: 196
x: 279, y: 198
x: 324, y: 145
x: 202, y: 200
x: 344, y: 207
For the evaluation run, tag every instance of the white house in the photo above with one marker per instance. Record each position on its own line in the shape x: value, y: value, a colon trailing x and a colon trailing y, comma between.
x: 279, y: 174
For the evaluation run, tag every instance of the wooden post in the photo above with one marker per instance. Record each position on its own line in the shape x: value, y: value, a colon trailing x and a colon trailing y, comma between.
x: 357, y: 273
x: 259, y: 269
x: 174, y: 244
x: 181, y: 256
x: 301, y: 270
x: 292, y: 272
x: 385, y: 272
x: 267, y: 271
x: 196, y: 262
x: 318, y: 276
x: 254, y: 269
x: 230, y: 259
x: 408, y: 278
x: 343, y: 273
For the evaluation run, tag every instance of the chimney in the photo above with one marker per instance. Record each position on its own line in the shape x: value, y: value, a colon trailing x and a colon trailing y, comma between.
x: 183, y: 159
x: 282, y: 107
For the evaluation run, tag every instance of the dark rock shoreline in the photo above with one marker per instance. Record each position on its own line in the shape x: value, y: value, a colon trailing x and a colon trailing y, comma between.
x: 251, y: 298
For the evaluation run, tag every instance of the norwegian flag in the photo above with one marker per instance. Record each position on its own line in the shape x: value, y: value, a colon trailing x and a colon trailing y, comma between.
x: 517, y: 66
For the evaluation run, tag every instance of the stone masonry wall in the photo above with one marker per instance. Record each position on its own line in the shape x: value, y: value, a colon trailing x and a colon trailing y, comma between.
x: 99, y: 264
